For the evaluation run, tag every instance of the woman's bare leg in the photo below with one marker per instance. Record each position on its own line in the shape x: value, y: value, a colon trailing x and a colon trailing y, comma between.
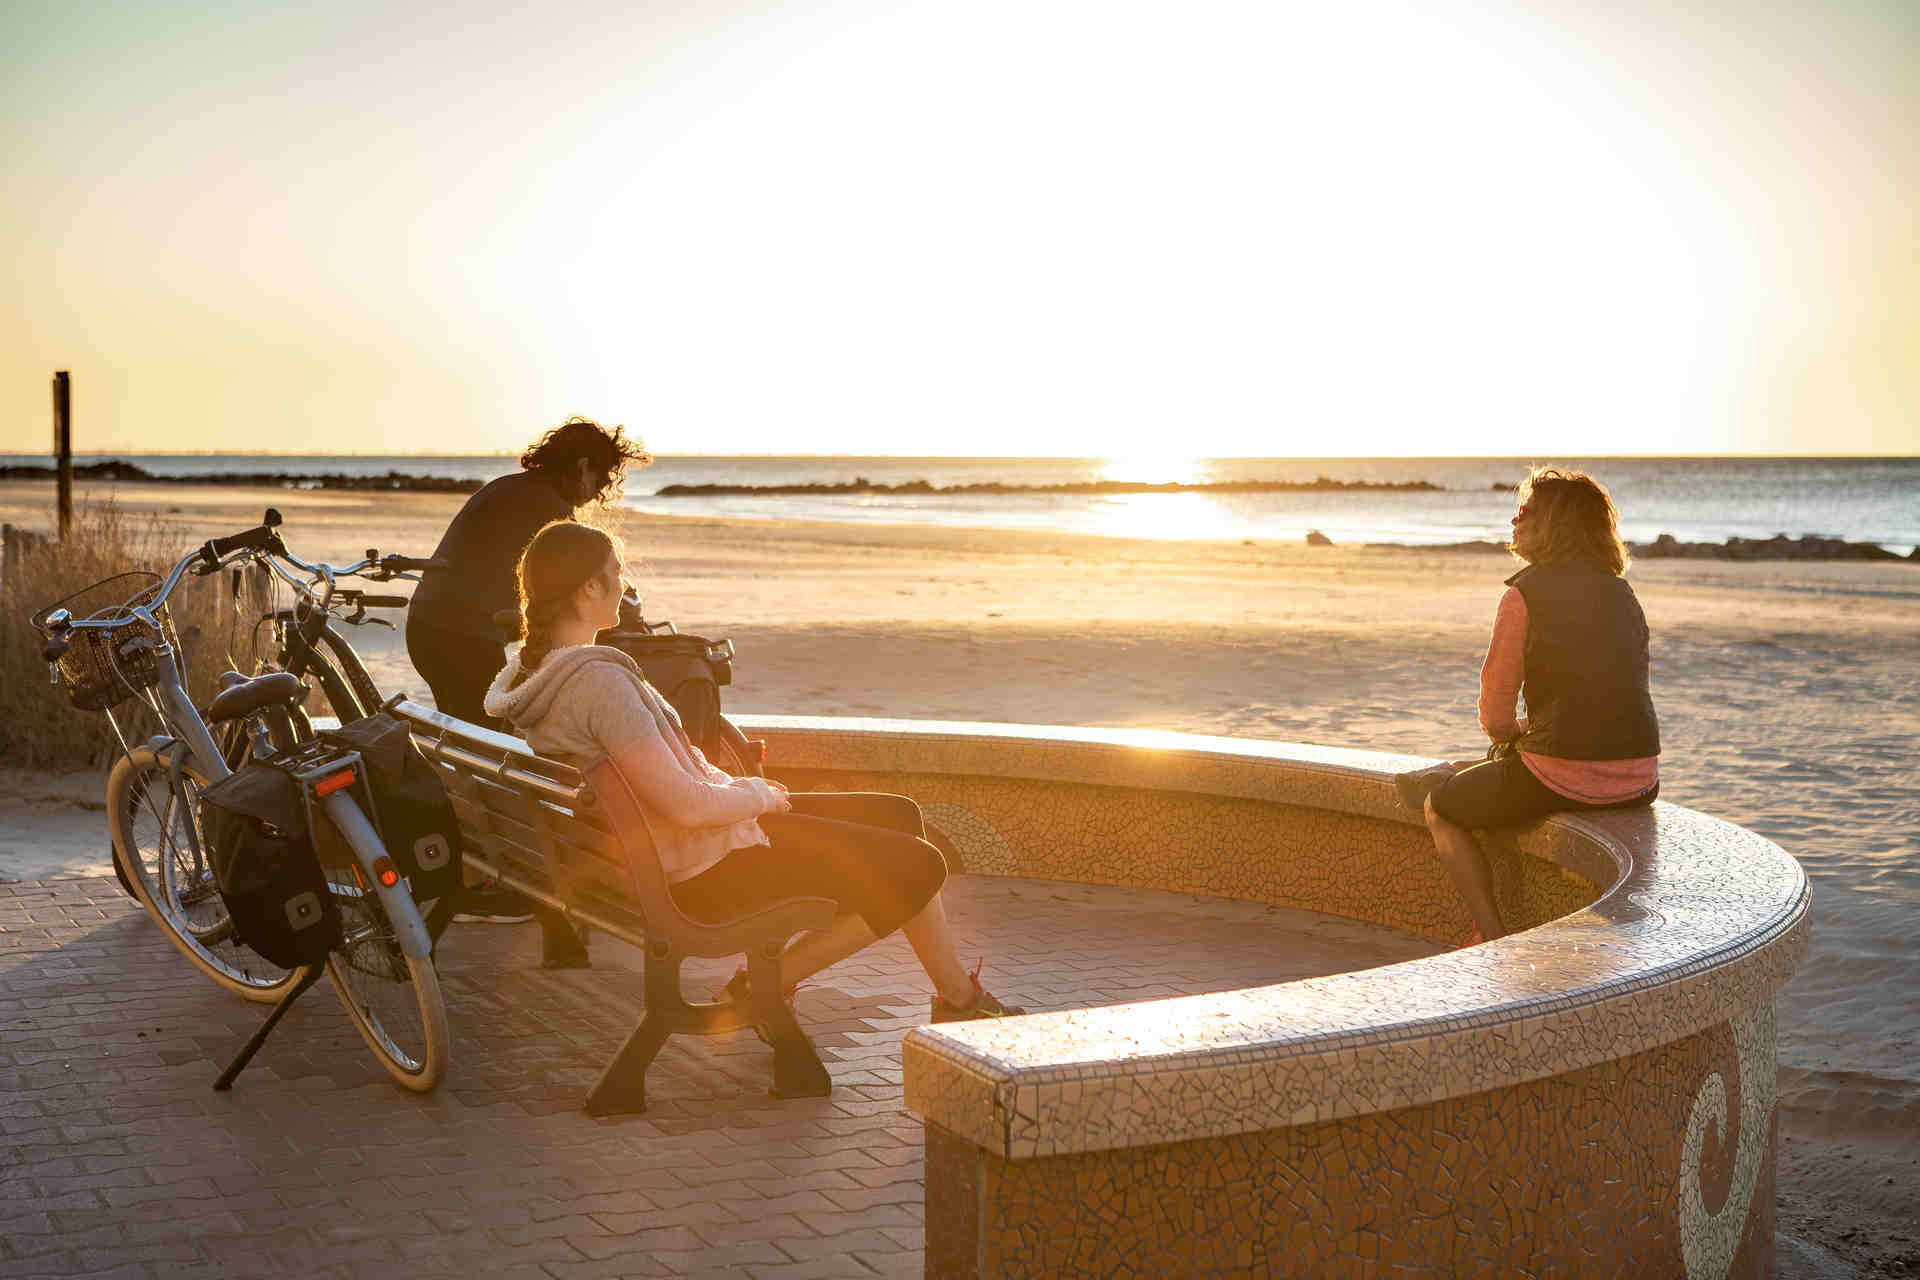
x: 1470, y: 870
x: 815, y: 950
x: 932, y: 941
x: 927, y: 933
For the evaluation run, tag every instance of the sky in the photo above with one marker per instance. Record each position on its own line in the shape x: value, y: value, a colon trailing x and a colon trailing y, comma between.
x: 971, y: 227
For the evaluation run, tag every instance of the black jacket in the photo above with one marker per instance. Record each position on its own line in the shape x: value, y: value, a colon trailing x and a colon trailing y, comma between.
x: 1586, y: 680
x: 482, y: 549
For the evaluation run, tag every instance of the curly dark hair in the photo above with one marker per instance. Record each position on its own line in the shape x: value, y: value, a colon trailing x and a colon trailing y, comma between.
x: 610, y: 452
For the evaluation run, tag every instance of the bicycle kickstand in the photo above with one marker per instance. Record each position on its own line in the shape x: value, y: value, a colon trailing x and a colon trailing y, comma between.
x: 307, y: 978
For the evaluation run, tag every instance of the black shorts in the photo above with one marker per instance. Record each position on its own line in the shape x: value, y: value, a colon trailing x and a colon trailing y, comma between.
x: 865, y: 850
x: 1504, y: 793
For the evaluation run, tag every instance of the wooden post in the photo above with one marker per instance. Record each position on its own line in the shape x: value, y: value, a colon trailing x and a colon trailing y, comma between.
x: 63, y: 448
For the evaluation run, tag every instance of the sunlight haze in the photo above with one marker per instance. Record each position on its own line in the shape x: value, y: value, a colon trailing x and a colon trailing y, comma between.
x: 1139, y: 230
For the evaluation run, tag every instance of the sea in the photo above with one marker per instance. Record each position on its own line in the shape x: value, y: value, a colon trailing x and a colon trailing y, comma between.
x: 1696, y: 499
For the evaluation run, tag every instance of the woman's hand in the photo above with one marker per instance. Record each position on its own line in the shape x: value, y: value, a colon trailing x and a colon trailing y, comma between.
x: 782, y: 798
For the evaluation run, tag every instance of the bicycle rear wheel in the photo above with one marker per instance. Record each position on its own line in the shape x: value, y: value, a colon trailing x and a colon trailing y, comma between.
x: 157, y: 848
x: 393, y: 998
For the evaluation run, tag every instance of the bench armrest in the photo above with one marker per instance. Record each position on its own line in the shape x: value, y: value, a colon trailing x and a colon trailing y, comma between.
x: 665, y: 922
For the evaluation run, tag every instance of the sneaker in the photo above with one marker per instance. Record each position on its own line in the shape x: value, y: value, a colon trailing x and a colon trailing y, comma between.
x: 985, y: 1005
x: 491, y: 904
x: 1413, y: 788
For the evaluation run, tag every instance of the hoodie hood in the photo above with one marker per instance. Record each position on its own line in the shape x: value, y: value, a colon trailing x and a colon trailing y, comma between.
x: 529, y: 704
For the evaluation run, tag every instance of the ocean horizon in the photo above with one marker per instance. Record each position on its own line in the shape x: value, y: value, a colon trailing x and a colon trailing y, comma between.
x: 1694, y: 498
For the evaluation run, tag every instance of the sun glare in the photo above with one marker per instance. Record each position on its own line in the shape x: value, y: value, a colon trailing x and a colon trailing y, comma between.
x: 1162, y: 515
x: 1148, y: 468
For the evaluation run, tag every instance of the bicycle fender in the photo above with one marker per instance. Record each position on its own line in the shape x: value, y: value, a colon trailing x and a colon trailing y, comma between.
x: 410, y: 931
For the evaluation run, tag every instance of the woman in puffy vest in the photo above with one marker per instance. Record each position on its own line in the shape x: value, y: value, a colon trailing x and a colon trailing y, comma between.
x: 1569, y: 636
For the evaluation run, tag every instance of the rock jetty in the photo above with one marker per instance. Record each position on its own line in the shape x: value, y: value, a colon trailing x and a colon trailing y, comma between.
x: 114, y: 471
x: 1779, y: 547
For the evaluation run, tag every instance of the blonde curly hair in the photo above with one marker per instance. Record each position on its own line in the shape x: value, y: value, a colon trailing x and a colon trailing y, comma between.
x: 1569, y: 518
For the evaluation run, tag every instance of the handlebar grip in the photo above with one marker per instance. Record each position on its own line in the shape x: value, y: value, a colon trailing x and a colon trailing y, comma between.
x: 261, y: 539
x: 407, y: 564
x: 382, y: 602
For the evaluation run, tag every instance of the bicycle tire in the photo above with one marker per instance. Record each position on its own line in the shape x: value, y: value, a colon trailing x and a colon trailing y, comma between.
x: 335, y: 689
x: 350, y: 664
x: 150, y: 848
x: 393, y: 999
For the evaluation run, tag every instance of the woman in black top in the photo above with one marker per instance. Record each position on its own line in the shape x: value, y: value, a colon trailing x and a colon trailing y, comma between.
x: 452, y: 637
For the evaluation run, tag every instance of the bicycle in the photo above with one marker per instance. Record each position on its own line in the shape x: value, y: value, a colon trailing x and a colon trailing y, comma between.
x: 382, y: 969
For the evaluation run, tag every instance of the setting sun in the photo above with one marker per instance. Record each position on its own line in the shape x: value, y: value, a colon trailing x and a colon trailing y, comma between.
x: 1148, y: 468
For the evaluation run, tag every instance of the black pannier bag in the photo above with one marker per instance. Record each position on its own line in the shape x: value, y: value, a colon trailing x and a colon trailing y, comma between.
x: 261, y: 850
x: 411, y: 810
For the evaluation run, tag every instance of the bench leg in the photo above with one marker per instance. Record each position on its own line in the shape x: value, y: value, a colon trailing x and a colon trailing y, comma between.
x: 622, y: 1090
x: 797, y: 1069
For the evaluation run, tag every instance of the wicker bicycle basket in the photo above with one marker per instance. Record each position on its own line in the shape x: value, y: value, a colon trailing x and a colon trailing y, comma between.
x: 102, y: 668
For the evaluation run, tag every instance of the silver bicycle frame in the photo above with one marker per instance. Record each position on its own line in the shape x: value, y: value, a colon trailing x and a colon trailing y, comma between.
x: 410, y: 930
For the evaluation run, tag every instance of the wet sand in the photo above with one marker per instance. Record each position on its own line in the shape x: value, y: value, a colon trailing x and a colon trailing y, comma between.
x: 1789, y: 697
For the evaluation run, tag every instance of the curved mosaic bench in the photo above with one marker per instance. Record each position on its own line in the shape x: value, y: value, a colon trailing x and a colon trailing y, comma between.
x: 1594, y: 1095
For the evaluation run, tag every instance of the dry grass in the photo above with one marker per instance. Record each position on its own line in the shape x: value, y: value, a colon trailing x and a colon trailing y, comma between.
x: 39, y: 727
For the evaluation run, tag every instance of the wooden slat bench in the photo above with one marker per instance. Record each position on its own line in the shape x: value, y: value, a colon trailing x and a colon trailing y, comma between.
x: 577, y: 841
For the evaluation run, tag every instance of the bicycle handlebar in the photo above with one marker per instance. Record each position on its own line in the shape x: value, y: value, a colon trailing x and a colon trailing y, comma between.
x: 263, y: 538
x: 406, y: 564
x: 263, y: 543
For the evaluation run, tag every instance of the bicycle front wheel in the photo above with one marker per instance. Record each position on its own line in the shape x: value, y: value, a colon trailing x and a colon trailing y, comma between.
x: 393, y: 998
x: 346, y: 691
x: 158, y: 849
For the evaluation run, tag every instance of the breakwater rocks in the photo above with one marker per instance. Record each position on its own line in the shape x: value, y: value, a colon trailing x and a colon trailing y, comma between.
x: 117, y: 472
x: 923, y: 488
x: 1778, y: 547
x: 1668, y: 547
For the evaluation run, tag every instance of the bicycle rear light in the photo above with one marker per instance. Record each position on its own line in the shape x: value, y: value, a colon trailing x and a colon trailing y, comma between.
x: 385, y: 871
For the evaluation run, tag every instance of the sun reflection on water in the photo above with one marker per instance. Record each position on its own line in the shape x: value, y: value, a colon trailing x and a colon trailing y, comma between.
x: 1161, y: 515
x: 1153, y: 468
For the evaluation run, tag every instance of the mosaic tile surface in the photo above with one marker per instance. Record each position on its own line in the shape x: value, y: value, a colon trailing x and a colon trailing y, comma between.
x: 1596, y: 1172
x: 1699, y: 922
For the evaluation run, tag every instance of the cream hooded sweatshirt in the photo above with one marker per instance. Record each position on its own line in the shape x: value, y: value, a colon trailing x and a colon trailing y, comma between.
x: 588, y: 701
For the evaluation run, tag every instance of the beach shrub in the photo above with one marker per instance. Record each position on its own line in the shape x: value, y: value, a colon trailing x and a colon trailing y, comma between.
x: 214, y: 617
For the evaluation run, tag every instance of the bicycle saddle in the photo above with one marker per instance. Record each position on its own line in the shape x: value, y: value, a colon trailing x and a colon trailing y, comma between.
x: 245, y: 694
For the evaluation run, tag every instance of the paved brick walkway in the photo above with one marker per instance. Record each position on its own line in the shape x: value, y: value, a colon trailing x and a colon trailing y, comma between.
x: 116, y: 1157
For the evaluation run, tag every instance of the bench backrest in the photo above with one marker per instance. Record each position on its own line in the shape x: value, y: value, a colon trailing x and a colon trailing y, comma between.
x: 580, y: 837
x: 578, y: 833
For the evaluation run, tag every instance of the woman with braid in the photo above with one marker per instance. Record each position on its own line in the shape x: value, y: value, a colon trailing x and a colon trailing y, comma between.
x: 727, y: 845
x: 1569, y: 636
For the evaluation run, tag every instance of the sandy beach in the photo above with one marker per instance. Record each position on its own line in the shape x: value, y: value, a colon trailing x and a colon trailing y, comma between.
x: 1788, y: 693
